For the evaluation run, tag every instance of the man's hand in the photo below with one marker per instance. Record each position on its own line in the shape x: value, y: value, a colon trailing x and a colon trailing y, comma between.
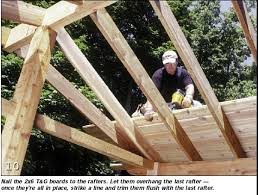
x: 187, y: 101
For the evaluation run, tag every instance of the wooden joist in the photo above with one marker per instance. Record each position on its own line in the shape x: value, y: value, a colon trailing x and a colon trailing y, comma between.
x: 116, y: 40
x: 19, y: 36
x: 94, y: 81
x: 247, y: 26
x: 241, y: 166
x: 175, y: 33
x: 75, y: 136
x: 18, y: 126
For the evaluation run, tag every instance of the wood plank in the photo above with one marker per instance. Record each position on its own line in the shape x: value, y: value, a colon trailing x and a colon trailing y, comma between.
x: 176, y: 35
x: 22, y: 12
x: 247, y: 26
x: 19, y: 36
x: 5, y: 32
x: 116, y: 40
x: 94, y: 81
x: 204, y: 134
x: 242, y: 166
x: 18, y: 126
x: 75, y: 136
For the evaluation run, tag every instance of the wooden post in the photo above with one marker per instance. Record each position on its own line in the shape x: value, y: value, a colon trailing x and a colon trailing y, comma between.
x: 17, y: 129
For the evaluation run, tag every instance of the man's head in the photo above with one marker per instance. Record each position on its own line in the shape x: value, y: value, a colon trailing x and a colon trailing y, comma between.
x: 169, y: 59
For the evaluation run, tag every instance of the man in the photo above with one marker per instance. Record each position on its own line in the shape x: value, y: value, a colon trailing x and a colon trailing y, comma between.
x: 169, y: 79
x: 172, y: 77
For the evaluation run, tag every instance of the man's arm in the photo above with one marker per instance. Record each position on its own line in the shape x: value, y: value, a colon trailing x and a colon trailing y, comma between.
x: 187, y: 101
x: 189, y: 90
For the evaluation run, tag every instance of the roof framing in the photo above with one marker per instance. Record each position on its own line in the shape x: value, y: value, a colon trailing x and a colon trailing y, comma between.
x: 176, y: 35
x: 125, y: 132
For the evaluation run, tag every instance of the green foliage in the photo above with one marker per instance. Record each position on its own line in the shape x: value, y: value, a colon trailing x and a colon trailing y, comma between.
x: 237, y: 89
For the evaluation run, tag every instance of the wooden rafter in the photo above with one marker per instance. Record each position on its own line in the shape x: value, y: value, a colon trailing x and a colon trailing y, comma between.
x: 75, y: 136
x: 19, y: 36
x: 242, y: 166
x: 175, y: 33
x: 116, y: 40
x: 247, y: 26
x: 18, y: 126
x: 91, y: 77
x: 5, y: 32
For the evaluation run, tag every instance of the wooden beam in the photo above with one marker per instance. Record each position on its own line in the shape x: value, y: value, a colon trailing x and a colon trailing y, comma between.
x: 16, y: 132
x: 64, y: 12
x: 22, y: 12
x: 116, y: 40
x: 5, y: 32
x: 19, y: 36
x: 247, y: 26
x: 241, y: 166
x: 77, y: 137
x: 175, y: 33
x: 91, y: 77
